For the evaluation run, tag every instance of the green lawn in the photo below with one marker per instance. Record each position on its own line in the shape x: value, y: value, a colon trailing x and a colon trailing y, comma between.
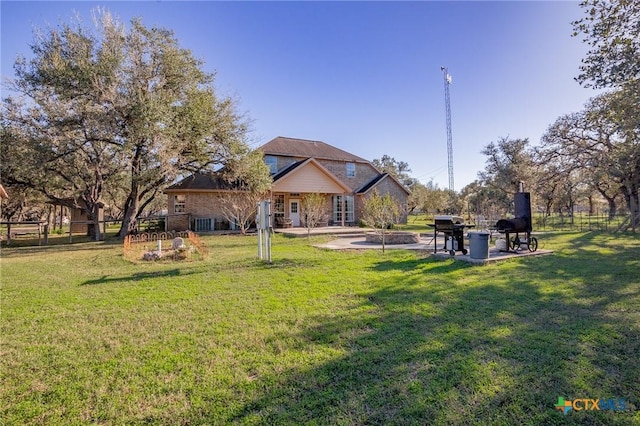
x: 319, y: 337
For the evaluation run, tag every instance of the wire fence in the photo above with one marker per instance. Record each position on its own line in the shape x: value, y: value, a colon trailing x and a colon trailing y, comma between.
x: 579, y: 222
x: 541, y: 222
x: 135, y: 246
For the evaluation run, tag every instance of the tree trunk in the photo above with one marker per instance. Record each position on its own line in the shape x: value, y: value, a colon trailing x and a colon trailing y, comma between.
x: 130, y: 213
x: 611, y: 201
x: 548, y: 206
x: 635, y: 209
x: 613, y: 208
x: 96, y: 226
x: 93, y: 217
x: 129, y: 221
x: 383, y: 235
x: 632, y: 198
x: 637, y: 222
x: 49, y: 216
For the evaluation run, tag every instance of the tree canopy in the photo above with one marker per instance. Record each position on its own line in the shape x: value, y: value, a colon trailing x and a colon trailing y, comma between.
x: 601, y: 143
x: 398, y: 169
x: 611, y: 29
x: 509, y: 162
x: 114, y: 105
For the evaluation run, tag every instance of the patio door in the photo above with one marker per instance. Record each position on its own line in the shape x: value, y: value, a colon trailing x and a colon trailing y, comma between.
x: 294, y: 211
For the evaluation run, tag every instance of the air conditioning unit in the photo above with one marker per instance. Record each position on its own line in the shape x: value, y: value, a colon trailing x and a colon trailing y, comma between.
x: 204, y: 224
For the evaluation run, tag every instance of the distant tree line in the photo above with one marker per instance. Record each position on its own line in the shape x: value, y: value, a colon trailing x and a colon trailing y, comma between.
x: 584, y: 156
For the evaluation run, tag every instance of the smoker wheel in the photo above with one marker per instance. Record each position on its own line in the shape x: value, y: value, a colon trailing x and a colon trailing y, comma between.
x: 515, y: 243
x: 532, y: 244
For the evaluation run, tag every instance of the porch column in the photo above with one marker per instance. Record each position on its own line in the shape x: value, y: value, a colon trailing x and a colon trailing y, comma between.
x: 342, y: 207
x: 272, y: 222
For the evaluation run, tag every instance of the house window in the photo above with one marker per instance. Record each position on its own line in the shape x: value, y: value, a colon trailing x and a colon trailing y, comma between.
x: 351, y: 169
x: 272, y: 162
x: 348, y: 208
x: 179, y: 203
x: 278, y: 206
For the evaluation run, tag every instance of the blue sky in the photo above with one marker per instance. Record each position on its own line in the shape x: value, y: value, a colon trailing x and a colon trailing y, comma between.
x: 365, y: 76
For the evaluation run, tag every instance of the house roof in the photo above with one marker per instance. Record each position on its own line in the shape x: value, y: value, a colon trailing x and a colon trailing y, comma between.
x: 282, y: 173
x: 324, y: 180
x: 371, y: 183
x: 291, y: 147
x: 201, y: 182
x: 375, y: 181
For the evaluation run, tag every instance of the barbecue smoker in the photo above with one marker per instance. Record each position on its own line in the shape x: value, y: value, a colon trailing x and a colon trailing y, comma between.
x: 521, y: 224
x: 453, y: 229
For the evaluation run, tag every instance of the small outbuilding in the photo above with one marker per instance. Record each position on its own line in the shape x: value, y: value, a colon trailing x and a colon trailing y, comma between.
x: 80, y: 222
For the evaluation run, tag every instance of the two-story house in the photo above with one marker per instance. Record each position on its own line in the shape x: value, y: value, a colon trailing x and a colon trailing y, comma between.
x: 298, y: 167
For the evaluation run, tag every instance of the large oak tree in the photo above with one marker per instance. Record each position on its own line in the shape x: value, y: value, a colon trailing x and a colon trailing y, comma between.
x: 611, y: 29
x: 600, y: 142
x: 114, y: 105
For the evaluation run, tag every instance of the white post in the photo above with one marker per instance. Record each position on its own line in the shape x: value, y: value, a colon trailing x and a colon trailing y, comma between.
x: 259, y: 224
x: 268, y: 243
x: 264, y: 236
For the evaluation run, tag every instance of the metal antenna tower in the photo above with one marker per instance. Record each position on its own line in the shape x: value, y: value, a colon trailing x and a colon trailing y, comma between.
x: 447, y: 102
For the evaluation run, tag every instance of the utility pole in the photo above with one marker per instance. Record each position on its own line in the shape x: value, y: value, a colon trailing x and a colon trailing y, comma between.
x: 447, y: 102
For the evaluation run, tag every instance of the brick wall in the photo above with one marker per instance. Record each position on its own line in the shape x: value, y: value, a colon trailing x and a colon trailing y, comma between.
x: 197, y: 205
x: 386, y: 186
x: 284, y: 162
x: 178, y: 222
x: 364, y: 173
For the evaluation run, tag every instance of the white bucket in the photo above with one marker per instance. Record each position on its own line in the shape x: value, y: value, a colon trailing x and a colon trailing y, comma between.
x: 501, y: 244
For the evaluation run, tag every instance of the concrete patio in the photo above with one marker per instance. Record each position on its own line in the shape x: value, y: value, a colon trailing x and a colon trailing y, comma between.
x: 325, y: 230
x: 353, y: 238
x: 426, y: 244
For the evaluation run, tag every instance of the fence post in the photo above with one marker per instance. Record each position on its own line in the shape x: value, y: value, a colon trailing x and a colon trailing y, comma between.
x: 580, y: 220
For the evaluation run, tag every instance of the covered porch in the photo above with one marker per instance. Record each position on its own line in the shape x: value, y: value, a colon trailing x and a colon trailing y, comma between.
x: 340, y: 231
x: 292, y: 185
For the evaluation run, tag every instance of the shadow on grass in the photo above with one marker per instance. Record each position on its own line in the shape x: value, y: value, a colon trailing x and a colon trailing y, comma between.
x: 61, y: 247
x: 286, y: 263
x: 106, y: 279
x: 426, y: 264
x: 494, y: 352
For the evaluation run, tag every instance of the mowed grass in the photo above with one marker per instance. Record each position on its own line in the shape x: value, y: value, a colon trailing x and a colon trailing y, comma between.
x: 319, y: 337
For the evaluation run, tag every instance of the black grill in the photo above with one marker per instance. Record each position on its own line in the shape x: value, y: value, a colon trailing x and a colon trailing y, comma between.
x: 453, y: 229
x: 521, y: 224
